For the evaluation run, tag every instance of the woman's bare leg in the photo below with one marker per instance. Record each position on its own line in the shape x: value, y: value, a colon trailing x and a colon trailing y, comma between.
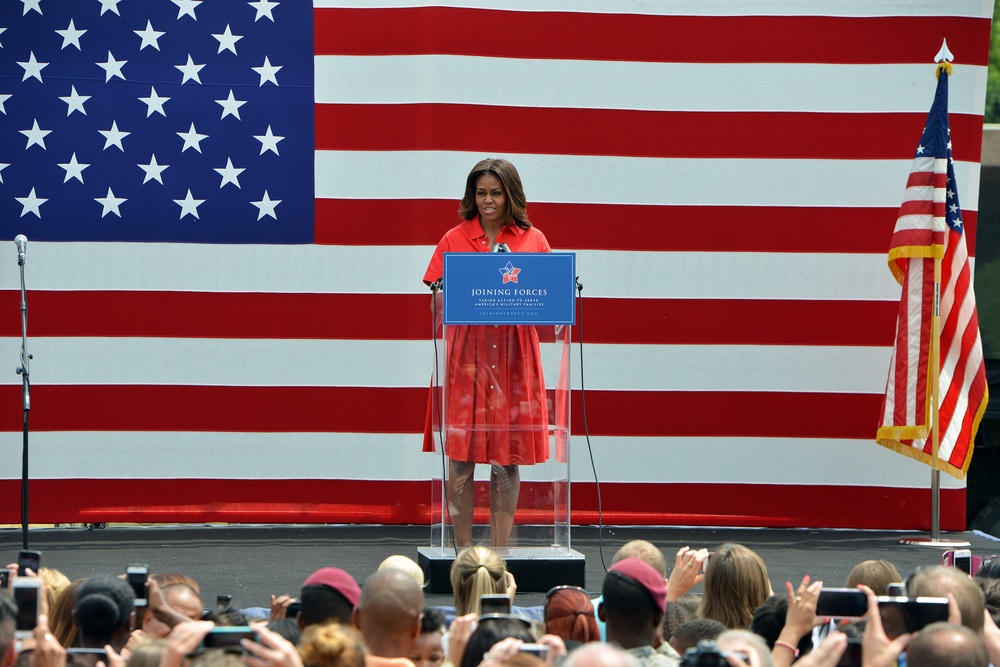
x: 461, y: 497
x: 505, y: 486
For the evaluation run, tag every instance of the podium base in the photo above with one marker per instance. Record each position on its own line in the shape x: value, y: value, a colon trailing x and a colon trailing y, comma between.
x: 536, y: 569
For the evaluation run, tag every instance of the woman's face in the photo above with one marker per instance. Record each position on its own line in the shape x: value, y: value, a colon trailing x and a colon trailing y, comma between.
x: 491, y: 201
x: 427, y: 651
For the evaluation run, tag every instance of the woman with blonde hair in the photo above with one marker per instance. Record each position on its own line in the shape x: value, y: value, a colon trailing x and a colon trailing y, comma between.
x: 478, y: 571
x: 736, y: 583
x: 331, y: 645
x: 875, y: 574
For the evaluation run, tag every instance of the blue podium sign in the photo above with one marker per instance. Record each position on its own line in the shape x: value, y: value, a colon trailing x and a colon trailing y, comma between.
x: 509, y: 288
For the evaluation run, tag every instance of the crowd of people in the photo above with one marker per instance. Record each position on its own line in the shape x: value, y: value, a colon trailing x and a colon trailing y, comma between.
x: 643, y: 617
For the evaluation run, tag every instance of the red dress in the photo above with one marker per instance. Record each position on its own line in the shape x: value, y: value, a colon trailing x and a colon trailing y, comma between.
x: 496, y: 409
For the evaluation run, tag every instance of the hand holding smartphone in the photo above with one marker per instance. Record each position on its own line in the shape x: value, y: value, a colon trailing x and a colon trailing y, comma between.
x: 28, y: 560
x: 137, y: 575
x: 26, y: 592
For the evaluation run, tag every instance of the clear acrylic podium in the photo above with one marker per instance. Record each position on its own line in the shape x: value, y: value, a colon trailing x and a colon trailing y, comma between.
x: 488, y: 404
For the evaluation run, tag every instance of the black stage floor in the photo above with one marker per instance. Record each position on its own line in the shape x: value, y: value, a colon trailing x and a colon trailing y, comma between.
x: 251, y: 562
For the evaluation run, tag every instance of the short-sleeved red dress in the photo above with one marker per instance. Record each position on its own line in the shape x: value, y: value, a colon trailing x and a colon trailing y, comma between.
x: 496, y: 408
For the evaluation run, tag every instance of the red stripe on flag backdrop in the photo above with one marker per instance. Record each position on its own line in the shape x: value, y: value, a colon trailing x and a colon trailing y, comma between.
x: 640, y: 37
x: 314, y: 500
x: 706, y: 134
x: 406, y: 317
x: 664, y: 228
x: 361, y: 409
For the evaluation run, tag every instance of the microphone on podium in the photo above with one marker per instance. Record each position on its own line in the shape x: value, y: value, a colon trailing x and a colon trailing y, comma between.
x: 21, y: 241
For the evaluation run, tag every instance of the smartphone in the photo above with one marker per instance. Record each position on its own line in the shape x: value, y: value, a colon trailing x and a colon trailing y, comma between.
x: 223, y: 600
x: 962, y: 559
x: 540, y: 651
x: 494, y: 604
x: 292, y: 610
x: 841, y: 603
x: 26, y: 596
x: 99, y: 653
x: 228, y: 638
x: 704, y: 564
x: 137, y: 575
x: 28, y: 560
x: 897, y: 589
x: 4, y: 578
x: 902, y: 615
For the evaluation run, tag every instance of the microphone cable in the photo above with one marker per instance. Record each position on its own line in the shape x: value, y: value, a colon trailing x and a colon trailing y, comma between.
x: 436, y: 392
x: 586, y: 433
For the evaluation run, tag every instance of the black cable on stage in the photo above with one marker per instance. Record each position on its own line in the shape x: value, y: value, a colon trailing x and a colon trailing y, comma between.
x: 586, y: 432
x: 446, y: 509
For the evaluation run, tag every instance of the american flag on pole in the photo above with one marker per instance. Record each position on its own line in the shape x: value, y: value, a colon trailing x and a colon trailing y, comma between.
x: 929, y: 227
x: 237, y: 329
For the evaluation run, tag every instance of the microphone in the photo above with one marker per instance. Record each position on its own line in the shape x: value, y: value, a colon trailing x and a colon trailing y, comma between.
x: 500, y: 247
x: 21, y: 241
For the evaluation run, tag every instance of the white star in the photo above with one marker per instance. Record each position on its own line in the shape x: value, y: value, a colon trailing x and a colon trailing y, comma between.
x: 267, y: 72
x: 32, y: 68
x: 190, y: 71
x: 263, y: 8
x: 36, y: 136
x: 920, y: 149
x: 3, y: 165
x: 112, y: 68
x: 266, y: 206
x: 109, y: 6
x: 75, y: 101
x: 227, y: 41
x: 110, y: 203
x: 73, y: 169
x: 952, y: 208
x: 231, y: 106
x: 3, y: 99
x: 230, y: 174
x: 71, y: 36
x: 114, y: 136
x: 153, y: 170
x: 154, y: 103
x: 187, y: 7
x: 268, y: 141
x: 2, y: 31
x: 149, y: 36
x: 30, y: 204
x: 191, y: 139
x: 31, y: 4
x: 951, y: 193
x: 189, y: 205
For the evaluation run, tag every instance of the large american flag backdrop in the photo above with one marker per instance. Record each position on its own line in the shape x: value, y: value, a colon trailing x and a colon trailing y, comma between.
x: 230, y: 205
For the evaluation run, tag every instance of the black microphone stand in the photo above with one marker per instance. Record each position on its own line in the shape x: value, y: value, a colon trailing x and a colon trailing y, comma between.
x: 23, y: 371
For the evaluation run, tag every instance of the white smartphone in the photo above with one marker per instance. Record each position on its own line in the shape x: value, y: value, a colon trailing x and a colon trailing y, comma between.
x: 963, y: 560
x: 26, y: 596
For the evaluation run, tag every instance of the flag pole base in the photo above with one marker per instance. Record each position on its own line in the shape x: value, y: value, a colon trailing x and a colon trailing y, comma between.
x: 932, y: 542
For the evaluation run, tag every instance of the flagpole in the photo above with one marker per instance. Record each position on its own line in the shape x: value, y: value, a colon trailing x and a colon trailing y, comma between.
x: 936, y: 403
x: 935, y: 365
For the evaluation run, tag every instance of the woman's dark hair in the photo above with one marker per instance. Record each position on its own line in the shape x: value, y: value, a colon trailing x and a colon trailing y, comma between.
x: 517, y: 204
x: 990, y: 568
x: 489, y: 632
x: 104, y: 605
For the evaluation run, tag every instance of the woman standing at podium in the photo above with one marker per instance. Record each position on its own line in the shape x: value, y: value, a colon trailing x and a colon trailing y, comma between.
x: 495, y: 410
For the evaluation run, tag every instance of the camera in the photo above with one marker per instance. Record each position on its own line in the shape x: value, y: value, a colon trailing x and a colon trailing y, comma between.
x: 708, y: 654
